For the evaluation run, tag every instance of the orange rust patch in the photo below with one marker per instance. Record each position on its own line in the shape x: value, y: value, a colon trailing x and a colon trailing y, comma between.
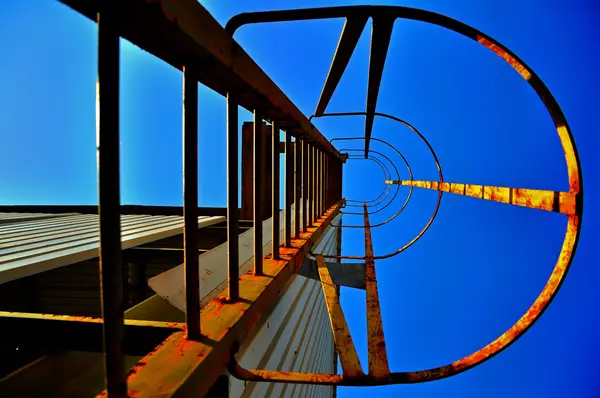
x: 475, y: 191
x: 505, y: 56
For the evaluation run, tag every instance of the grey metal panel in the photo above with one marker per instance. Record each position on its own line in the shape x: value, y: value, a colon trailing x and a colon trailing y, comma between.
x: 300, y: 339
x: 38, y: 245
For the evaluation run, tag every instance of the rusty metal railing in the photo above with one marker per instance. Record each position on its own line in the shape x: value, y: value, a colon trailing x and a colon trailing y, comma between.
x: 169, y: 30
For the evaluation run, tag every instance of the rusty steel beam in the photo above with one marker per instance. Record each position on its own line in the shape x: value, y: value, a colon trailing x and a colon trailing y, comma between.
x: 258, y: 194
x: 232, y: 199
x: 560, y: 202
x: 181, y: 367
x: 180, y: 31
x: 353, y: 28
x: 79, y: 333
x: 341, y: 334
x: 109, y: 201
x: 378, y: 361
x: 190, y: 204
x: 275, y: 192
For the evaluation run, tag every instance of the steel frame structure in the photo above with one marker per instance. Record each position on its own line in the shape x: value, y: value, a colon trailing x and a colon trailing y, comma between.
x: 569, y: 203
x: 186, y: 359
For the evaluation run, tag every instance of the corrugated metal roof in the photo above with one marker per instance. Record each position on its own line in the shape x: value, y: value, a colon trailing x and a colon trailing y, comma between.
x: 6, y: 218
x: 37, y: 245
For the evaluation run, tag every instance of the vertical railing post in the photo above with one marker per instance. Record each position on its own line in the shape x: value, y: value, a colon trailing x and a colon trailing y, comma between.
x: 109, y: 200
x: 298, y: 185
x: 310, y: 184
x: 232, y: 198
x: 305, y: 186
x: 315, y: 184
x: 319, y: 184
x: 289, y: 188
x: 323, y: 174
x: 326, y: 182
x: 190, y: 203
x: 275, y: 203
x: 258, y: 195
x: 323, y: 171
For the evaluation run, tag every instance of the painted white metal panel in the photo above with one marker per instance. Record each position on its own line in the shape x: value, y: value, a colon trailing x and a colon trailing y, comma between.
x: 213, y: 267
x: 296, y: 336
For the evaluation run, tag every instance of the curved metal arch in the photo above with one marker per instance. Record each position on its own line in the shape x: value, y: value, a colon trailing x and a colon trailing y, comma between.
x: 440, y: 174
x: 354, y: 157
x: 384, y: 191
x: 575, y: 187
x: 383, y: 199
x: 378, y: 140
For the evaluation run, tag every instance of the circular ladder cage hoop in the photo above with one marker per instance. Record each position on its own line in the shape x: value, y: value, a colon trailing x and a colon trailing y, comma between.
x: 571, y: 156
x: 386, y: 172
x: 439, y: 195
x: 385, y: 190
x: 385, y: 143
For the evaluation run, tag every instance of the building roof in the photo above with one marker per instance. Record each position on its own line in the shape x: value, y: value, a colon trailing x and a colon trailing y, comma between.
x: 31, y: 243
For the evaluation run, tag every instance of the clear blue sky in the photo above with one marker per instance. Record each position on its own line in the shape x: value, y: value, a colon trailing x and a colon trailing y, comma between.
x: 481, y: 264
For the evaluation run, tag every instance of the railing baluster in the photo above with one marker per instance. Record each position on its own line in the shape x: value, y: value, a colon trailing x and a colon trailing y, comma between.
x: 311, y: 182
x: 258, y: 195
x: 304, y: 185
x: 315, y: 184
x: 275, y: 205
x: 289, y: 187
x: 190, y: 204
x: 109, y: 202
x: 232, y: 198
x: 298, y: 185
x: 319, y: 184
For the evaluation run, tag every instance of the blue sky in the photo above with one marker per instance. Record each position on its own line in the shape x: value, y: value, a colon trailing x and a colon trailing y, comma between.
x: 481, y: 264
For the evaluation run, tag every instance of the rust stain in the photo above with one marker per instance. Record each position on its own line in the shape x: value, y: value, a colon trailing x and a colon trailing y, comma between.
x: 378, y: 360
x: 561, y: 202
x: 341, y: 334
x: 457, y: 188
x: 571, y: 159
x: 224, y: 323
x: 475, y: 191
x: 507, y: 57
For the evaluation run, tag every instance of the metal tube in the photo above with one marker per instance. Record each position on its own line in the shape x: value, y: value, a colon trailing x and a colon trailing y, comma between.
x: 109, y: 202
x: 324, y: 182
x: 289, y: 187
x: 190, y: 204
x: 275, y: 194
x: 311, y: 179
x: 378, y: 361
x: 315, y: 183
x: 319, y: 184
x: 326, y: 186
x: 305, y: 186
x: 232, y: 198
x: 258, y: 201
x: 298, y: 185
